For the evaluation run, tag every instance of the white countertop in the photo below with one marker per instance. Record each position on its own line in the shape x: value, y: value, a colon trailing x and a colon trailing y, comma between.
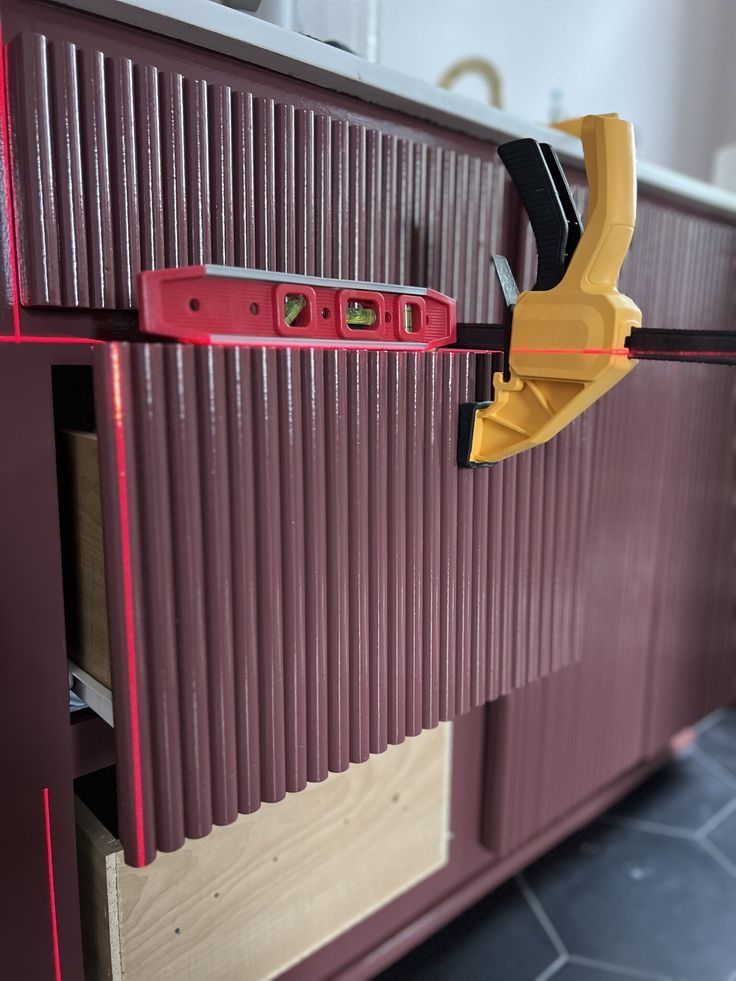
x: 252, y: 40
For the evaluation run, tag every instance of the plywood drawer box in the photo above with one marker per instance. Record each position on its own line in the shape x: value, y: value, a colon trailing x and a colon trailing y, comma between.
x: 253, y: 898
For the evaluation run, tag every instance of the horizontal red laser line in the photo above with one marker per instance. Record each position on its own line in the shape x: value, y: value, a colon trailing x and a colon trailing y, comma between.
x: 617, y: 352
x: 50, y: 340
x: 52, y: 888
x: 665, y: 355
x: 621, y: 352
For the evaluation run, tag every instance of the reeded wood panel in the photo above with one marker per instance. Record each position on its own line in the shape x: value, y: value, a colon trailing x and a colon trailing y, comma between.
x: 657, y: 607
x: 298, y: 573
x: 122, y: 166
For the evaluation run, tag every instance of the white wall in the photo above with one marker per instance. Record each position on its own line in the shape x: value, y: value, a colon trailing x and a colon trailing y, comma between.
x: 667, y: 65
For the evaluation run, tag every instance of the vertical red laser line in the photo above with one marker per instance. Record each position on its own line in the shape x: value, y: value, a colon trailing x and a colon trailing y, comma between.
x: 52, y: 889
x: 117, y: 396
x: 4, y: 123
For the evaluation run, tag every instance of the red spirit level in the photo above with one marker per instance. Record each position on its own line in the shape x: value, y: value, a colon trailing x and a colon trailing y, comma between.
x: 225, y: 305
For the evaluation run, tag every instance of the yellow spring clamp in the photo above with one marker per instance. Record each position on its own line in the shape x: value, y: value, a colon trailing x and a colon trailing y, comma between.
x: 567, y: 343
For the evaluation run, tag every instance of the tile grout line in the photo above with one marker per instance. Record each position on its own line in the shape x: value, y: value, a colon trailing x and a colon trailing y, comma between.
x: 541, y: 915
x: 552, y: 969
x: 717, y: 855
x: 651, y: 827
x: 710, y: 720
x: 712, y: 764
x: 632, y: 972
x: 717, y: 819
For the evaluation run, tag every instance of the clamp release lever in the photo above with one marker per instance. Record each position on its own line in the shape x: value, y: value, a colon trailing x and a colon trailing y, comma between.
x: 538, y: 177
x: 568, y: 334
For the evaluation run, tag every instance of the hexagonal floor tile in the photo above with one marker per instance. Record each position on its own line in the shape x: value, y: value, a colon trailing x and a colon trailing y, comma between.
x: 724, y: 837
x: 684, y: 794
x: 641, y: 901
x: 719, y: 740
x: 498, y: 938
x: 586, y: 971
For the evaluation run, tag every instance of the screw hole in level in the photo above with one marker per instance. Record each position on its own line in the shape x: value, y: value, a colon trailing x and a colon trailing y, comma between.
x: 325, y: 313
x: 253, y: 308
x: 194, y: 304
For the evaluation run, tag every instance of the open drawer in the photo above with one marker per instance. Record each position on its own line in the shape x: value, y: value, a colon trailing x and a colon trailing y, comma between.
x: 297, y: 574
x: 254, y: 898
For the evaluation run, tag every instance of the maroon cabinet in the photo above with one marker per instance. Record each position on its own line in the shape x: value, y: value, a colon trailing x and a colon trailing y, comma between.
x: 292, y: 527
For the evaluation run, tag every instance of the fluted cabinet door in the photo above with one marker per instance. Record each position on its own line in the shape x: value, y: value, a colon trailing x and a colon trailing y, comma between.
x: 299, y: 574
x: 656, y: 605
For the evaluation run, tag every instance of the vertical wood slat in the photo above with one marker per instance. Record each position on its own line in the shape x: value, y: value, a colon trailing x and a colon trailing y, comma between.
x: 338, y: 575
x: 217, y: 518
x: 69, y: 175
x: 377, y: 401
x: 305, y: 193
x: 174, y: 170
x: 197, y: 203
x: 293, y: 569
x: 264, y: 167
x: 244, y: 181
x: 357, y: 563
x: 94, y: 101
x: 285, y: 179
x: 158, y: 557
x: 222, y: 174
x: 403, y: 595
x: 322, y: 195
x: 270, y: 596
x: 180, y: 389
x: 33, y: 143
x: 245, y: 594
x: 150, y: 168
x: 124, y: 161
x: 307, y: 575
x: 315, y: 562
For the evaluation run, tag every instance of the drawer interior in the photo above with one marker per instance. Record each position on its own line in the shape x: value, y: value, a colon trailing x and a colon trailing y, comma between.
x: 85, y: 599
x: 80, y: 519
x: 255, y: 897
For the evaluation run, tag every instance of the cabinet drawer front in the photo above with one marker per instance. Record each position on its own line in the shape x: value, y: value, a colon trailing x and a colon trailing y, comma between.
x: 298, y: 573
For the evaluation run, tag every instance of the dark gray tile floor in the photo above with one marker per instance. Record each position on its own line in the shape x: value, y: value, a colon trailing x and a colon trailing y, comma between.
x: 648, y: 891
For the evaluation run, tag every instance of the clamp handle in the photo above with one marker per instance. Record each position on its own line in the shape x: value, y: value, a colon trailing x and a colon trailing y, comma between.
x: 530, y: 175
x: 610, y: 166
x: 574, y: 224
x: 568, y: 342
x: 537, y: 175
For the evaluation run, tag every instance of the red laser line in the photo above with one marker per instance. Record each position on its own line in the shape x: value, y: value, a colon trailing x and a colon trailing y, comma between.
x: 51, y: 340
x: 667, y: 355
x: 117, y: 396
x: 622, y: 352
x: 4, y: 124
x: 52, y: 889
